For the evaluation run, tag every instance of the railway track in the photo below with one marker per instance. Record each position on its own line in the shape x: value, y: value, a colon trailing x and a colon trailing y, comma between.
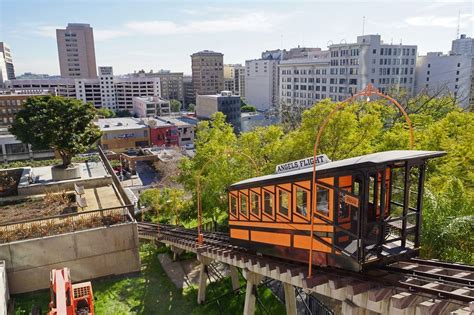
x: 435, y: 278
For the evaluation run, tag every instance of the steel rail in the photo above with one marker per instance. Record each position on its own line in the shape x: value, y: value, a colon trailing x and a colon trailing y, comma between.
x: 412, y: 280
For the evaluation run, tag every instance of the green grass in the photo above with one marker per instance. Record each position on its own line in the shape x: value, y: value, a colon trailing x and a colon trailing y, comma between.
x: 152, y: 292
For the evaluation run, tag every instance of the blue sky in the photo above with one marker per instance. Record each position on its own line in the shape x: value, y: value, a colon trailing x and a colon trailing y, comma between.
x: 145, y: 34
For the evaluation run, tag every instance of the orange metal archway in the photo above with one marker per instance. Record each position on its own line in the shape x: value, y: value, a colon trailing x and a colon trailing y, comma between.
x: 368, y: 91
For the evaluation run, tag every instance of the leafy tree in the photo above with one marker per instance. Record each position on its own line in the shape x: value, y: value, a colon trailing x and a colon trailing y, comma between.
x: 167, y: 204
x: 248, y: 108
x: 105, y: 112
x: 360, y: 128
x: 63, y: 124
x: 175, y: 106
x: 191, y: 107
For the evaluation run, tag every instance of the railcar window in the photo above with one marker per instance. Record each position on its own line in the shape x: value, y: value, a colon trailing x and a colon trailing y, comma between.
x: 356, y: 189
x: 268, y: 206
x: 255, y: 204
x: 243, y: 205
x: 233, y: 205
x: 301, y: 201
x: 322, y: 199
x: 284, y: 202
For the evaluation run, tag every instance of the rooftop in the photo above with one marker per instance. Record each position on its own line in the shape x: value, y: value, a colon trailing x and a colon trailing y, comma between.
x: 179, y: 121
x: 207, y: 52
x: 122, y: 123
x: 150, y: 99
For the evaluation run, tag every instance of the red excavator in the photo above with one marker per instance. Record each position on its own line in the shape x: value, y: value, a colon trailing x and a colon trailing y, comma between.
x: 68, y: 298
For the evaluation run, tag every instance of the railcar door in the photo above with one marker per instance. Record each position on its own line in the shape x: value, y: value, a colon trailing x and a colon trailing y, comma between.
x: 347, y: 216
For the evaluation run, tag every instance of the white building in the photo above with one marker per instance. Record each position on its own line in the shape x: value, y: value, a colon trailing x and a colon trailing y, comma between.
x: 261, y: 83
x: 345, y: 69
x: 151, y: 106
x: 126, y: 88
x: 6, y: 53
x: 107, y: 89
x: 463, y: 46
x: 437, y: 73
x: 88, y: 91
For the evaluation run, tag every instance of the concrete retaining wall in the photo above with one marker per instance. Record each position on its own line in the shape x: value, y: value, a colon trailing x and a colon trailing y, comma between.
x: 4, y: 293
x: 43, y: 188
x: 89, y: 254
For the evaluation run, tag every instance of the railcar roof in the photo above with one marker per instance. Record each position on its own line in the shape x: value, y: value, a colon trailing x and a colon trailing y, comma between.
x: 363, y: 160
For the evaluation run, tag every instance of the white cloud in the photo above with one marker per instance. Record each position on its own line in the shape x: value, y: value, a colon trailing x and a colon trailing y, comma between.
x: 252, y: 22
x: 439, y: 21
x: 46, y: 31
x: 245, y: 21
x: 108, y: 34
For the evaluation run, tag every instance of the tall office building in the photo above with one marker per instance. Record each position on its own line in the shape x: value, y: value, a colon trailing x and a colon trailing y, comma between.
x: 347, y: 68
x: 8, y: 59
x: 234, y: 78
x: 438, y: 74
x: 188, y: 91
x: 463, y: 46
x: 107, y: 88
x: 208, y: 72
x: 171, y: 83
x: 261, y: 83
x: 76, y: 51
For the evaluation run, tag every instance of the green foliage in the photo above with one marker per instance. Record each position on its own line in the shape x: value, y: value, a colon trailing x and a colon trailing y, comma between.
x: 191, y: 107
x: 105, y: 112
x: 448, y: 224
x: 63, y: 124
x: 248, y: 109
x: 167, y: 204
x: 175, y: 105
x: 360, y: 128
x: 152, y: 292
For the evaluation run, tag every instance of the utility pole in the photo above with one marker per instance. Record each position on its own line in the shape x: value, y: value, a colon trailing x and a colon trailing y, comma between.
x: 363, y: 25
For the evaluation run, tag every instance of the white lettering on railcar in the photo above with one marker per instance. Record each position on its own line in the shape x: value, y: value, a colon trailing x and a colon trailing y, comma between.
x: 300, y: 164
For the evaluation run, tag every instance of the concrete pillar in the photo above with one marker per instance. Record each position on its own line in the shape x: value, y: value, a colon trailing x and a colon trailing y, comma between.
x: 253, y: 279
x: 349, y: 308
x: 202, y: 278
x: 290, y: 299
x: 176, y: 252
x: 234, y: 276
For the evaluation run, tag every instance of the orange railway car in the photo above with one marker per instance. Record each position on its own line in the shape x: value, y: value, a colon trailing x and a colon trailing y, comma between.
x: 369, y: 210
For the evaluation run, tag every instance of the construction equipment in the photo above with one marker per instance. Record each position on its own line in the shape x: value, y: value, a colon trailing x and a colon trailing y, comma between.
x: 68, y: 298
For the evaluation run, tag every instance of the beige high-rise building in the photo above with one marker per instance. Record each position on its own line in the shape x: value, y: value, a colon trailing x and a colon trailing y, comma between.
x: 76, y: 51
x: 208, y: 72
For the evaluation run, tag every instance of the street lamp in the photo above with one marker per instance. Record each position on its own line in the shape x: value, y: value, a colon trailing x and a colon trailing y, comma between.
x: 368, y: 91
